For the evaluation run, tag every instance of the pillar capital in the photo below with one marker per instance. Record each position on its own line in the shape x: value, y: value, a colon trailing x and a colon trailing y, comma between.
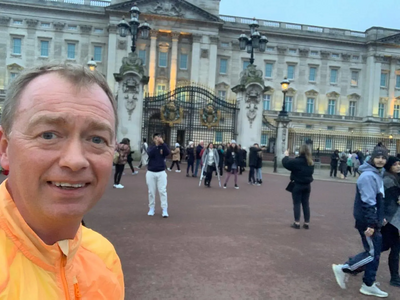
x: 175, y: 36
x: 196, y: 38
x: 153, y: 33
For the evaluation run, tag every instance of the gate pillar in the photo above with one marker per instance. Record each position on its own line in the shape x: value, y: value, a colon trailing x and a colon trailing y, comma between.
x: 282, y: 137
x: 250, y: 93
x: 131, y: 81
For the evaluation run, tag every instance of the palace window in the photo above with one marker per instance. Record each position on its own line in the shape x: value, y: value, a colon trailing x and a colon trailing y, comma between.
x: 71, y: 51
x: 334, y: 76
x: 398, y: 81
x: 267, y: 102
x: 223, y: 66
x: 161, y: 88
x: 381, y: 110
x: 44, y: 48
x: 289, y: 103
x: 335, y: 55
x: 384, y: 79
x: 246, y: 63
x: 313, y: 73
x: 331, y: 107
x: 268, y: 70
x: 352, y: 108
x: 354, y: 78
x: 163, y: 59
x: 396, y: 111
x: 290, y: 72
x: 17, y: 45
x: 183, y: 61
x: 314, y: 53
x: 45, y: 25
x: 222, y: 95
x: 142, y: 56
x: 264, y: 139
x: 310, y: 105
x: 97, y: 56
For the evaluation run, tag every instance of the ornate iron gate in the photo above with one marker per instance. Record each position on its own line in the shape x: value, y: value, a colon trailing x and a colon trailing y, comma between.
x: 190, y: 113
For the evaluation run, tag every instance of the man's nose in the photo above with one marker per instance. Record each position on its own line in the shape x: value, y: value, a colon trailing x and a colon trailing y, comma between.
x: 73, y: 155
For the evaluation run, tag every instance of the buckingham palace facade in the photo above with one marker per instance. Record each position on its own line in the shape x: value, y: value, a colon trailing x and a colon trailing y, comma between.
x: 341, y: 81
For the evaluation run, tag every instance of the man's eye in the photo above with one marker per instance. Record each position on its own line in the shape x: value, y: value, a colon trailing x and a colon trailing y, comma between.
x: 48, y: 135
x: 98, y: 140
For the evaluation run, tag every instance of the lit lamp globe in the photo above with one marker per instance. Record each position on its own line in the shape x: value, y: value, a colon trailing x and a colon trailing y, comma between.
x: 92, y: 65
x: 285, y: 84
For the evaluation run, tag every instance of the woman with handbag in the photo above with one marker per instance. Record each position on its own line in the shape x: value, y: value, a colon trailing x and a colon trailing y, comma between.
x: 302, y: 168
x: 210, y: 161
x: 123, y: 150
x: 233, y: 161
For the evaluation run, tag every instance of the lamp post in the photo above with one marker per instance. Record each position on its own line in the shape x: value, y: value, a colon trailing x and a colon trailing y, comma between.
x: 92, y: 65
x: 255, y: 41
x: 133, y: 27
x: 285, y: 86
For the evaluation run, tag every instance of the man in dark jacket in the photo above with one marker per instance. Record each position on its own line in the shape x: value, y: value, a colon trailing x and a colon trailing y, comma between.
x: 368, y: 213
x: 244, y: 159
x: 199, y: 148
x: 334, y: 162
x: 253, y: 159
x: 156, y: 177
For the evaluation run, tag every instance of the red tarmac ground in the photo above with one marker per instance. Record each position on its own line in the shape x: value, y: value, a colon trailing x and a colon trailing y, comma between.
x: 231, y: 244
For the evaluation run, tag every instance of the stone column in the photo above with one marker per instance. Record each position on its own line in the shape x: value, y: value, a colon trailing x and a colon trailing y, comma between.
x: 112, y: 55
x: 282, y: 136
x: 249, y: 94
x: 212, y: 61
x: 131, y: 80
x: 195, y: 65
x: 174, y: 61
x: 152, y: 60
x: 392, y: 85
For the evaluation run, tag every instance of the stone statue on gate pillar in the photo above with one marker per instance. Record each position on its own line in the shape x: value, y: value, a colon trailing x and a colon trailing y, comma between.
x: 131, y: 81
x: 250, y: 93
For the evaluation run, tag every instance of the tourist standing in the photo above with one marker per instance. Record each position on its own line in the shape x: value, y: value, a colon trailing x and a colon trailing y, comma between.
x: 349, y: 163
x: 221, y: 154
x: 301, y: 176
x: 390, y: 230
x: 343, y: 165
x: 253, y: 158
x: 199, y: 148
x: 144, y: 155
x: 210, y: 162
x: 156, y: 177
x: 233, y: 161
x: 123, y: 149
x: 259, y: 167
x: 334, y: 163
x: 244, y: 159
x: 176, y: 157
x: 130, y: 159
x: 369, y: 215
x: 190, y: 158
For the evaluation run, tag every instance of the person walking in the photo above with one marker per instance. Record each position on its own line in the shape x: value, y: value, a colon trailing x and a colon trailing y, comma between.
x: 369, y: 214
x: 343, y: 165
x: 259, y: 168
x: 130, y: 159
x: 144, y: 155
x: 156, y: 177
x: 253, y: 158
x: 233, y: 161
x: 390, y: 230
x: 221, y: 155
x: 199, y: 148
x: 210, y: 162
x: 190, y: 158
x: 334, y: 163
x: 349, y: 163
x: 301, y: 176
x: 244, y: 159
x: 123, y: 150
x: 176, y: 157
x: 356, y: 166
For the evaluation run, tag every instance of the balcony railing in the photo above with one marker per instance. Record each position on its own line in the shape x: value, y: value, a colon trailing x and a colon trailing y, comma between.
x: 293, y: 26
x: 320, y: 116
x: 98, y: 3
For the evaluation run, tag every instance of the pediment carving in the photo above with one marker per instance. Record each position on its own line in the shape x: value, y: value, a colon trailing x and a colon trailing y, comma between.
x: 304, y: 52
x: 15, y: 67
x: 393, y: 39
x: 31, y: 22
x: 168, y: 8
x: 269, y: 90
x: 311, y: 93
x: 58, y: 25
x: 86, y: 29
x: 325, y: 54
x: 383, y: 100
x: 346, y: 56
x: 333, y: 95
x: 222, y: 85
x: 281, y: 49
x: 291, y: 91
x: 354, y: 97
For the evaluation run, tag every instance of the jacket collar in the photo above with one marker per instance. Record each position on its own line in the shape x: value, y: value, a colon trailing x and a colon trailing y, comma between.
x: 27, y: 241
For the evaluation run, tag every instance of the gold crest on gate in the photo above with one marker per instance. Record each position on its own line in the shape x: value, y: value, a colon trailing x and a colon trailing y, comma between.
x: 171, y: 113
x: 209, y: 116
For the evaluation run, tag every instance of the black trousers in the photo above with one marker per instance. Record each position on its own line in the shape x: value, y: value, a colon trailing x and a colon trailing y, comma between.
x: 177, y: 164
x: 301, y: 197
x: 190, y: 165
x: 390, y: 240
x: 119, y: 169
x: 333, y: 170
x: 209, y: 172
x: 131, y: 166
x: 251, y: 175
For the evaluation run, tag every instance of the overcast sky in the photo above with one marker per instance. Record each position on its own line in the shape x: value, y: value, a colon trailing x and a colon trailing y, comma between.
x: 358, y: 15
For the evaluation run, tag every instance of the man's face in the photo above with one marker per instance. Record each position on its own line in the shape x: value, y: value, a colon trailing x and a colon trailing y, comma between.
x: 202, y: 144
x: 379, y: 161
x: 60, y: 148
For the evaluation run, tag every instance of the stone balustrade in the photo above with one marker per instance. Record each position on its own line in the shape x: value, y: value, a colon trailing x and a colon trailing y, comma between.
x: 98, y: 3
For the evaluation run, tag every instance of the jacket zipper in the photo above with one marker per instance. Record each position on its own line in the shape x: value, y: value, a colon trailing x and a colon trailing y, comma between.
x: 78, y: 295
x: 64, y: 279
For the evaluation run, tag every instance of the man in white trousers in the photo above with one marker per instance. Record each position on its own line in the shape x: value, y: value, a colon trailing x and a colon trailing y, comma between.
x: 156, y: 177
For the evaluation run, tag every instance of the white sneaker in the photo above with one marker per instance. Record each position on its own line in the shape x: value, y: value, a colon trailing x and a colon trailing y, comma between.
x: 339, y: 275
x: 134, y: 173
x: 373, y: 290
x: 165, y: 213
x: 114, y: 186
x: 151, y: 212
x: 169, y: 169
x: 119, y: 186
x: 177, y: 171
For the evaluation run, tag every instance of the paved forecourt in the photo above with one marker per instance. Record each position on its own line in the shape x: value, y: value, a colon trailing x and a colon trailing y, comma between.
x: 231, y: 244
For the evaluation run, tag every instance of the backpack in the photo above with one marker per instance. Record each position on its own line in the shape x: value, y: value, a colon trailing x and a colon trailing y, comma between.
x: 116, y: 156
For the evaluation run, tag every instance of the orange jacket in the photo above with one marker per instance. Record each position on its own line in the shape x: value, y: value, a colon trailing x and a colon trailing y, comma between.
x: 84, y: 268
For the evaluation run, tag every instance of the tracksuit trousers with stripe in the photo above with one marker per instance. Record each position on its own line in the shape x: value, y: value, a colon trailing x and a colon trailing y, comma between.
x: 367, y: 261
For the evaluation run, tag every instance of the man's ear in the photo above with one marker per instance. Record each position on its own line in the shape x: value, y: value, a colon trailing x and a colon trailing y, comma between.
x: 4, y: 150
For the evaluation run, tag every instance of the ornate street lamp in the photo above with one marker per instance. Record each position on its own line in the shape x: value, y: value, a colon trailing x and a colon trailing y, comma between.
x: 133, y: 27
x: 256, y: 41
x: 92, y: 65
x: 285, y: 86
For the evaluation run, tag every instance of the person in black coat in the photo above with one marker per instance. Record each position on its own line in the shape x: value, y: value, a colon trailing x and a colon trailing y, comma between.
x: 253, y: 159
x: 233, y: 161
x: 221, y: 155
x: 302, y: 168
x: 190, y: 158
x: 334, y: 163
x: 244, y: 159
x: 390, y: 233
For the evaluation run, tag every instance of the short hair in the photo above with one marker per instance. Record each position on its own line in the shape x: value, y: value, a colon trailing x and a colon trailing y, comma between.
x: 155, y: 134
x: 144, y: 140
x: 79, y: 75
